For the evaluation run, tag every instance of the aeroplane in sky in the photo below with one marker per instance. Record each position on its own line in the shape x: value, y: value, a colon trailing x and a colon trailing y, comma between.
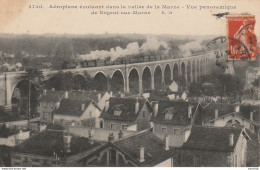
x: 219, y: 15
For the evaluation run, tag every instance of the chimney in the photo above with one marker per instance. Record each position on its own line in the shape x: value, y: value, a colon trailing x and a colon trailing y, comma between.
x: 66, y: 95
x: 110, y: 137
x: 122, y: 95
x: 166, y: 142
x: 136, y: 106
x: 90, y: 136
x: 237, y: 108
x: 83, y: 106
x: 189, y: 111
x: 231, y: 139
x: 99, y: 97
x: 66, y: 141
x: 120, y: 134
x: 216, y: 113
x: 141, y: 154
x: 57, y: 105
x: 52, y: 89
x: 111, y: 94
x: 44, y: 92
x: 107, y: 105
x: 155, y: 109
x: 252, y: 116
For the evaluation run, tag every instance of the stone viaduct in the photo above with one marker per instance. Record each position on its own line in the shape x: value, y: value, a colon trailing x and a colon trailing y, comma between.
x: 190, y: 68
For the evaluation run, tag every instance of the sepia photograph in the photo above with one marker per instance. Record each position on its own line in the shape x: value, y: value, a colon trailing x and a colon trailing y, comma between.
x: 129, y: 83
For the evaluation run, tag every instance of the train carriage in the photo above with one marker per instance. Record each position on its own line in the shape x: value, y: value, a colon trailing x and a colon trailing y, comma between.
x: 146, y: 58
x: 140, y: 59
x: 92, y: 63
x: 152, y: 58
x: 100, y: 63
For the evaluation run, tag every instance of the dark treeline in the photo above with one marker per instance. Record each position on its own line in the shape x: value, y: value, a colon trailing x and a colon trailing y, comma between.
x: 37, y: 50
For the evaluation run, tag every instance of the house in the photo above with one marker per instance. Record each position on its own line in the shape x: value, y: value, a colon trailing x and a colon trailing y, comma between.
x: 52, y: 148
x: 227, y: 114
x: 253, y: 149
x: 81, y: 112
x: 143, y: 149
x: 252, y: 73
x: 172, y: 118
x: 126, y: 113
x: 47, y: 103
x: 98, y: 97
x: 51, y: 98
x: 207, y: 146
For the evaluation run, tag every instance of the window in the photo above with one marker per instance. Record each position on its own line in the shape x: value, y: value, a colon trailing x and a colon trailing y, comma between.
x: 197, y: 160
x: 144, y: 114
x: 168, y: 116
x: 164, y: 130
x: 176, y: 131
x: 90, y: 114
x: 112, y: 126
x: 117, y: 111
x: 124, y: 127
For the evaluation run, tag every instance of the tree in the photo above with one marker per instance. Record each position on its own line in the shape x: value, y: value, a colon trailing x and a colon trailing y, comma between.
x: 62, y: 81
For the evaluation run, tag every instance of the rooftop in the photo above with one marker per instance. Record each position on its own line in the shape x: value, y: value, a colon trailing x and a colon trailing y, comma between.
x: 154, y: 152
x: 212, y: 138
x: 83, y: 95
x: 127, y: 106
x: 178, y: 109
x: 223, y: 109
x: 72, y: 107
x: 52, y: 96
x: 48, y: 142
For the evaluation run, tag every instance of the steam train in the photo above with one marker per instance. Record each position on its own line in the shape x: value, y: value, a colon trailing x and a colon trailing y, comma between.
x: 119, y: 61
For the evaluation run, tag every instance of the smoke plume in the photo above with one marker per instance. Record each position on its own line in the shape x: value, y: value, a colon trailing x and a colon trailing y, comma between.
x: 193, y: 46
x: 151, y: 47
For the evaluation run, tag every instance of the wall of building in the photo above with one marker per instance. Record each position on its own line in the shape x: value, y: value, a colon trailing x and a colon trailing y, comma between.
x: 118, y: 124
x: 15, y: 139
x: 45, y: 110
x: 207, y: 158
x: 221, y: 122
x: 90, y: 112
x: 99, y: 134
x: 102, y: 102
x: 241, y: 152
x: 65, y: 120
x: 175, y: 140
x: 166, y: 163
x: 143, y: 122
x: 31, y: 160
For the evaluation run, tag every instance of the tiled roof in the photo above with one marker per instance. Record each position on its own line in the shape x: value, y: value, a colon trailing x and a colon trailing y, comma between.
x: 245, y: 113
x: 83, y: 95
x: 52, y: 96
x: 128, y: 109
x: 223, y: 109
x: 48, y: 142
x: 212, y: 138
x: 179, y: 109
x: 72, y: 107
x: 153, y: 148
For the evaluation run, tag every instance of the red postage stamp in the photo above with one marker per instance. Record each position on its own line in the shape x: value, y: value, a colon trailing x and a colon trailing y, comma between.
x: 241, y: 37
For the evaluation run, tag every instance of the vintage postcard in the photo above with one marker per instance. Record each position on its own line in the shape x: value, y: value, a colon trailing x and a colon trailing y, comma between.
x: 129, y: 83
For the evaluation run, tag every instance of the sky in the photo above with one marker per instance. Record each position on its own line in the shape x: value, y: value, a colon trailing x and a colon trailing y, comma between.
x: 16, y: 17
